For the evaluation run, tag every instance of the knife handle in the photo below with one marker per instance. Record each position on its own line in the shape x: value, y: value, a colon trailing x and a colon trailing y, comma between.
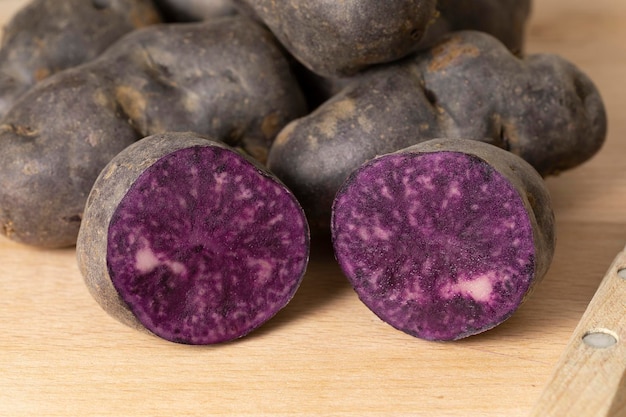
x: 589, y: 379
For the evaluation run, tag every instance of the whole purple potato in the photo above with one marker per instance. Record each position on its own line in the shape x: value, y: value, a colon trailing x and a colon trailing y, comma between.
x: 47, y: 36
x: 506, y: 20
x: 469, y: 86
x: 175, y: 77
x: 338, y: 38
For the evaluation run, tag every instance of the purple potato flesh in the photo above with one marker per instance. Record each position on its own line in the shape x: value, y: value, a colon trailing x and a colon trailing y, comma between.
x: 203, y: 247
x: 439, y: 244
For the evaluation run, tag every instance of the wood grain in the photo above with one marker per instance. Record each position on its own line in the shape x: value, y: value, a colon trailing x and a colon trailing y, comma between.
x: 326, y: 354
x: 589, y: 376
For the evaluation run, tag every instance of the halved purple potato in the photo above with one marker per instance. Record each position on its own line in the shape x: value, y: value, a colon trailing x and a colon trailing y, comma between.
x: 444, y: 239
x: 190, y: 240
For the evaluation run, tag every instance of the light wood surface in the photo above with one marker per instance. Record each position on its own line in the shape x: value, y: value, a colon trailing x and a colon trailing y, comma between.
x: 589, y: 378
x: 325, y: 354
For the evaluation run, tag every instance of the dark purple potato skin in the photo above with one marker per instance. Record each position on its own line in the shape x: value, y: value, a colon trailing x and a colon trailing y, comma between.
x: 176, y: 77
x: 190, y: 240
x: 227, y: 78
x: 47, y: 36
x: 445, y: 239
x: 546, y: 111
x: 342, y: 38
x: 49, y: 161
x: 506, y: 20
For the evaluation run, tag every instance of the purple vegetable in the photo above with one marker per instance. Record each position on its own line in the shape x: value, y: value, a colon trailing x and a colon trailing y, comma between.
x: 191, y: 240
x: 445, y: 239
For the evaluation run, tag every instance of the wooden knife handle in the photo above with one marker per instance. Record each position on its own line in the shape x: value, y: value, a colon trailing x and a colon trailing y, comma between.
x: 589, y: 380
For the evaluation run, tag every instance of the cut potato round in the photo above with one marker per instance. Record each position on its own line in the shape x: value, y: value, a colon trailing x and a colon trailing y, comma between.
x: 445, y: 239
x: 189, y: 239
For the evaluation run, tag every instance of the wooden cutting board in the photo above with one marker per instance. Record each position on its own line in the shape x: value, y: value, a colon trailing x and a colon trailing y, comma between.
x: 590, y: 378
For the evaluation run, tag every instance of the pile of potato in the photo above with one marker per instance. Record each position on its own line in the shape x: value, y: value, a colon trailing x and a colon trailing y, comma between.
x: 310, y: 98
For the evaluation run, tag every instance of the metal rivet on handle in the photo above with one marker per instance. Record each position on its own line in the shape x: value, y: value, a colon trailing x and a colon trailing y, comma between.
x: 603, y: 338
x: 600, y: 339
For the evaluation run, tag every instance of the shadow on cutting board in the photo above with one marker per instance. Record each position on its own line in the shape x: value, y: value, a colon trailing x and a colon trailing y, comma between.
x: 322, y: 284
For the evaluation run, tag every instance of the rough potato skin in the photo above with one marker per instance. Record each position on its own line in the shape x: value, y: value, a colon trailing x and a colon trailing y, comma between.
x: 186, y: 77
x: 50, y: 160
x: 47, y: 36
x: 194, y: 10
x: 547, y: 110
x: 504, y: 19
x: 334, y: 38
x: 227, y: 78
x: 469, y: 86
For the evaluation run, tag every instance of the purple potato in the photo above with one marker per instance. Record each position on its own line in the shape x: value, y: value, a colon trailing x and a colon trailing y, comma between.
x: 51, y: 159
x: 506, y: 20
x: 177, y: 77
x: 48, y: 36
x: 189, y: 239
x: 341, y: 38
x: 445, y: 239
x: 542, y: 108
